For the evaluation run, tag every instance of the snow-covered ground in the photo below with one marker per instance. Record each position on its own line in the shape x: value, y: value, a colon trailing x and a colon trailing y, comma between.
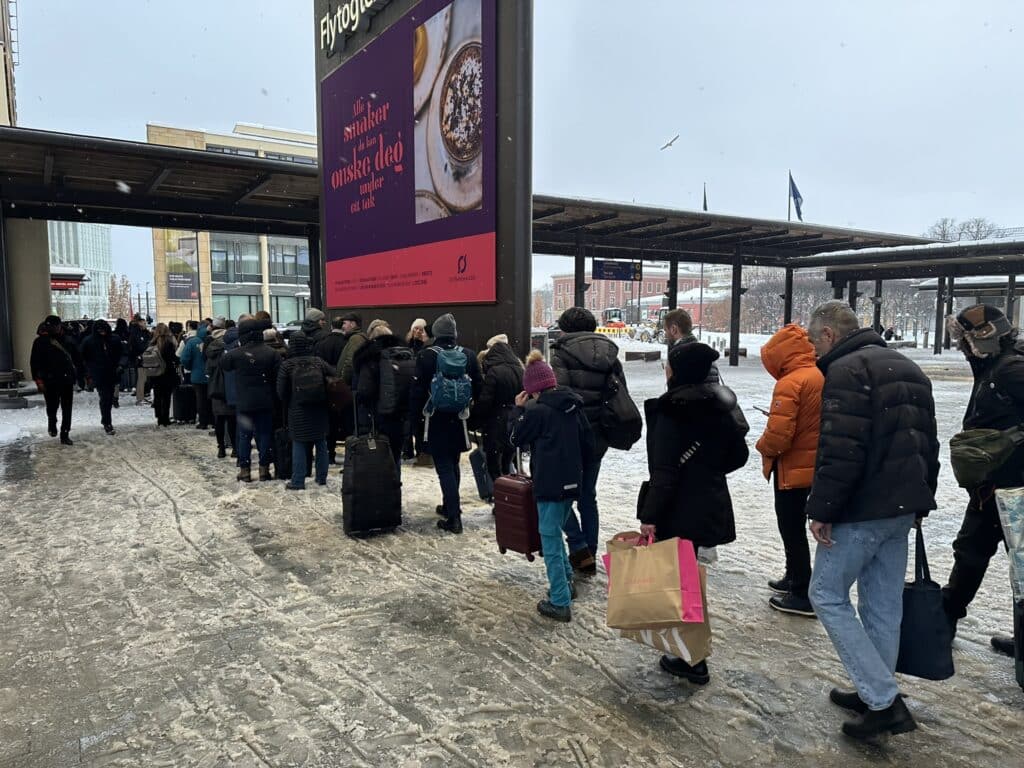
x: 156, y: 613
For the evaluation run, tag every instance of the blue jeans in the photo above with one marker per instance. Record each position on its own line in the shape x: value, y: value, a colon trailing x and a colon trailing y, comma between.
x: 261, y: 425
x: 872, y: 553
x: 449, y: 476
x: 585, y: 537
x: 299, y: 461
x: 552, y: 517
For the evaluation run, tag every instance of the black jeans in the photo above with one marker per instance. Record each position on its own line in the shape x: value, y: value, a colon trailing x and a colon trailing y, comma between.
x: 106, y: 393
x: 204, y: 414
x: 163, y: 389
x: 228, y: 424
x: 980, y: 536
x: 59, y: 395
x: 499, y: 453
x: 791, y: 513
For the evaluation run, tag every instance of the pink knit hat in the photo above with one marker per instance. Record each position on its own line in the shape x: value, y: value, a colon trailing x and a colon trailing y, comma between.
x: 538, y: 376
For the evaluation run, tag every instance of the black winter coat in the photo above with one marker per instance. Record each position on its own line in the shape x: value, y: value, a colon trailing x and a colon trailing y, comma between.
x: 54, y: 360
x: 138, y: 340
x: 255, y: 367
x: 331, y: 348
x: 583, y: 362
x: 693, y: 440
x: 213, y: 352
x: 306, y: 422
x: 170, y: 378
x: 447, y: 431
x: 558, y: 434
x: 314, y: 332
x: 102, y: 357
x: 878, y: 454
x: 366, y: 376
x: 997, y: 402
x: 503, y: 380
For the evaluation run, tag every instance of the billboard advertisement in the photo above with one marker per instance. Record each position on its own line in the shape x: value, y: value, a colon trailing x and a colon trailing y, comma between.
x: 408, y: 130
x: 182, y: 264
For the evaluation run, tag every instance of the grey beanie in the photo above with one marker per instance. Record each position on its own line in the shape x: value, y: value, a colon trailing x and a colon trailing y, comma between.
x: 219, y: 322
x: 444, y: 327
x: 314, y: 315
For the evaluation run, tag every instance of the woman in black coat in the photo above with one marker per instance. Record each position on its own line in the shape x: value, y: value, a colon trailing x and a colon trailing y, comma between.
x: 695, y: 437
x: 164, y: 385
x: 307, y: 421
x: 503, y: 380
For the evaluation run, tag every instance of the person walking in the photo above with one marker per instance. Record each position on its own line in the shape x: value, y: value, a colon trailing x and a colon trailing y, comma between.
x: 102, y: 353
x: 585, y: 361
x: 55, y: 365
x: 876, y: 471
x: 695, y: 437
x: 446, y: 382
x: 255, y: 368
x: 225, y: 425
x: 989, y: 342
x: 302, y: 390
x: 159, y: 363
x: 550, y: 421
x: 193, y: 363
x: 503, y: 380
x: 788, y: 448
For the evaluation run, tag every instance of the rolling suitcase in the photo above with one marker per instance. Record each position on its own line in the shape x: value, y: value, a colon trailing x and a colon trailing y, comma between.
x: 484, y: 483
x: 1018, y: 640
x: 371, y: 493
x: 183, y: 404
x: 515, y: 514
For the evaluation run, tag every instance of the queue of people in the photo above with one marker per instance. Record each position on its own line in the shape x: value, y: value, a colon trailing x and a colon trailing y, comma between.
x: 850, y: 444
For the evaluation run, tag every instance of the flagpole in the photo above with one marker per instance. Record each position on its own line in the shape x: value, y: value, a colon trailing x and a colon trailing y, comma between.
x: 789, y: 198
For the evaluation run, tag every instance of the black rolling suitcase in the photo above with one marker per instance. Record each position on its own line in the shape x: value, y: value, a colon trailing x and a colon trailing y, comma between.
x: 183, y: 404
x: 371, y: 493
x: 484, y: 483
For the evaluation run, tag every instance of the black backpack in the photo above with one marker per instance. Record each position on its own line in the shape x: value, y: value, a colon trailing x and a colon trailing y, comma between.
x: 308, y: 385
x: 397, y: 370
x: 621, y: 422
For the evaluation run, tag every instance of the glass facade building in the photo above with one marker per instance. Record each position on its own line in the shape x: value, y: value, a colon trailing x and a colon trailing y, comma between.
x: 86, y: 246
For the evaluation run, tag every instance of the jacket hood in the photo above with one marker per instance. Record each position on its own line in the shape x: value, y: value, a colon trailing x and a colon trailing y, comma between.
x: 788, y: 350
x: 218, y: 333
x: 202, y: 333
x: 251, y: 331
x: 501, y: 353
x: 717, y: 396
x: 690, y: 362
x: 371, y: 350
x: 563, y: 400
x: 299, y: 345
x: 231, y: 335
x: 863, y: 337
x: 592, y: 350
x: 309, y: 327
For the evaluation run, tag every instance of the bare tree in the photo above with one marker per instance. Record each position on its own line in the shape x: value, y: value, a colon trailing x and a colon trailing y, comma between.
x: 945, y: 229
x: 113, y: 297
x: 950, y: 230
x: 977, y: 228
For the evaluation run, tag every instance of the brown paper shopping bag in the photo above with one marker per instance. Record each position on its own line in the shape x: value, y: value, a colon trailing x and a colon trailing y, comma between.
x: 690, y: 642
x: 652, y: 585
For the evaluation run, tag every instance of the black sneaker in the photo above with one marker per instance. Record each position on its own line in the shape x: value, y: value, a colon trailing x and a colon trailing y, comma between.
x: 452, y: 526
x: 222, y: 453
x: 1003, y: 644
x: 65, y: 439
x: 896, y: 719
x: 697, y: 674
x: 289, y: 487
x: 782, y: 586
x: 557, y: 612
x: 790, y: 603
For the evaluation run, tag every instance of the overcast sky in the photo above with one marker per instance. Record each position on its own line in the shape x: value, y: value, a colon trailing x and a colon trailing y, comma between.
x: 890, y: 114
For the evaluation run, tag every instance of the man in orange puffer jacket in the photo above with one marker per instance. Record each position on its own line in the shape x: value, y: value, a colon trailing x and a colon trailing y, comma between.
x: 788, y: 448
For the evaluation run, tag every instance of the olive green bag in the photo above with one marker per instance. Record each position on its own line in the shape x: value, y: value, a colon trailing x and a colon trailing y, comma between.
x: 976, y: 453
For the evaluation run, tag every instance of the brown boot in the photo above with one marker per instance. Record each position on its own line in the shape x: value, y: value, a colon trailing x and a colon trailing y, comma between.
x: 265, y: 474
x: 245, y: 475
x: 583, y: 562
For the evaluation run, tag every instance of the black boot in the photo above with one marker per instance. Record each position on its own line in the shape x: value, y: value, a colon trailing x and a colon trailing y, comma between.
x: 557, y: 612
x: 583, y: 562
x: 848, y: 700
x: 245, y: 475
x: 109, y: 429
x: 452, y: 526
x: 65, y: 439
x: 697, y: 674
x: 53, y: 430
x: 1003, y: 644
x: 895, y: 719
x: 265, y: 474
x: 221, y: 453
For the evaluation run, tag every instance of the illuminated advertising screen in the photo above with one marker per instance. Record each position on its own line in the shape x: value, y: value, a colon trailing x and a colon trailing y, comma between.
x: 409, y: 162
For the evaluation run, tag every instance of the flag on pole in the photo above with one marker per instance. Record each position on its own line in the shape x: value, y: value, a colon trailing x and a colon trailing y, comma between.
x: 798, y: 199
x: 705, y: 197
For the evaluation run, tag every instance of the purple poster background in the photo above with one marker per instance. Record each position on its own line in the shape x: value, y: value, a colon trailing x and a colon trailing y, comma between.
x: 369, y: 173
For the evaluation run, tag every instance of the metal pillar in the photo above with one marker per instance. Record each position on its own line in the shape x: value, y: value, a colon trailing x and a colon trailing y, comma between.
x: 877, y: 320
x: 734, y: 319
x: 580, y: 282
x: 838, y: 286
x: 6, y: 332
x: 1011, y: 290
x: 673, y: 283
x: 787, y: 298
x: 940, y: 296
x: 950, y: 293
x: 317, y: 295
x: 852, y: 301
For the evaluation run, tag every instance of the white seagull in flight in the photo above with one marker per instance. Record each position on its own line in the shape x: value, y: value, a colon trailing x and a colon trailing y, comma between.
x: 670, y: 143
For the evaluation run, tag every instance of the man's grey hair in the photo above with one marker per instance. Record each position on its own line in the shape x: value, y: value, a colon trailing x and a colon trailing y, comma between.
x: 836, y: 315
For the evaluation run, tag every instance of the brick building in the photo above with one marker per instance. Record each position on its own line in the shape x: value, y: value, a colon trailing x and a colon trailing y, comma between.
x: 606, y: 294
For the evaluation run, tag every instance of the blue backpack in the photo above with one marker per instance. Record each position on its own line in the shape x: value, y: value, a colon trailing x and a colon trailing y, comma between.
x: 451, y: 389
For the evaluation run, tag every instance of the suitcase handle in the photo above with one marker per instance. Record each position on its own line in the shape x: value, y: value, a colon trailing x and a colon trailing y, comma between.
x: 520, y: 466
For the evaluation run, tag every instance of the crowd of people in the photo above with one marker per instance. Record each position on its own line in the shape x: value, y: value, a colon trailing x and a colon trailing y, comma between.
x: 850, y: 444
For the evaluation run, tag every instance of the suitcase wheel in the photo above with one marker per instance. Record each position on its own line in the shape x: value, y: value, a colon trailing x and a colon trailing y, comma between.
x: 529, y: 557
x: 502, y: 550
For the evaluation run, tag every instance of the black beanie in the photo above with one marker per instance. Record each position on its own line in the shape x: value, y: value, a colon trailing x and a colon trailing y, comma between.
x: 691, y: 363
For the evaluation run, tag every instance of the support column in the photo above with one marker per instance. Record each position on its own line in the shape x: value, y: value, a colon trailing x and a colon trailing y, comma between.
x: 1011, y: 290
x: 940, y: 296
x: 734, y: 320
x: 265, y: 272
x: 317, y: 295
x: 950, y: 294
x: 852, y: 301
x: 838, y: 286
x: 673, y: 283
x: 6, y: 337
x: 787, y: 298
x: 877, y: 320
x: 580, y: 278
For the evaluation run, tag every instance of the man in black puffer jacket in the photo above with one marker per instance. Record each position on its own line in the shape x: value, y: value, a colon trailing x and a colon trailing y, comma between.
x: 583, y: 361
x: 56, y: 365
x: 876, y: 470
x: 987, y: 339
x: 101, y: 354
x: 255, y: 366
